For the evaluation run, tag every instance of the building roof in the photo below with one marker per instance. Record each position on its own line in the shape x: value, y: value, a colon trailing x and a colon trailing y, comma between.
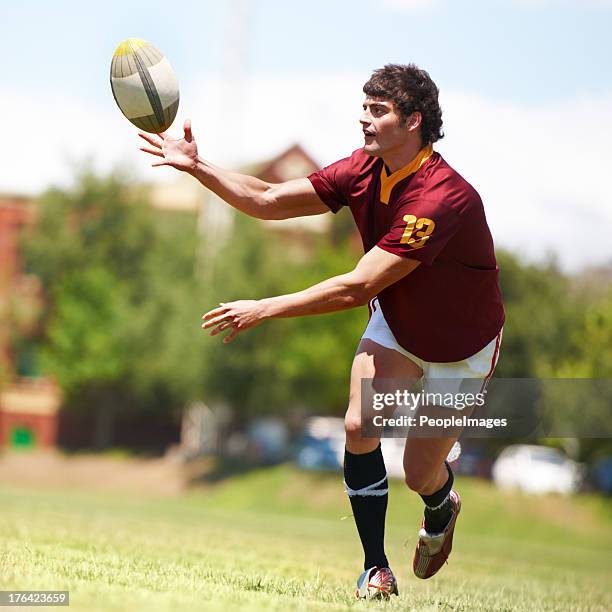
x: 185, y: 194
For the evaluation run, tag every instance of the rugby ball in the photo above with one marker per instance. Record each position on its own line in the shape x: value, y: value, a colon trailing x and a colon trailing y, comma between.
x: 144, y: 85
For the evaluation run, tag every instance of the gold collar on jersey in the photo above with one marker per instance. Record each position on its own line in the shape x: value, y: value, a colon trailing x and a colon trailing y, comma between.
x: 388, y: 182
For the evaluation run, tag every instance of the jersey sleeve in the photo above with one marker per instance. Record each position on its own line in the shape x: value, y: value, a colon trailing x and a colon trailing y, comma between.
x: 420, y: 230
x: 332, y: 183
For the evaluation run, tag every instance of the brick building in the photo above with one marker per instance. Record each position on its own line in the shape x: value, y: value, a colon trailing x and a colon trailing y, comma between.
x: 29, y: 414
x: 28, y: 406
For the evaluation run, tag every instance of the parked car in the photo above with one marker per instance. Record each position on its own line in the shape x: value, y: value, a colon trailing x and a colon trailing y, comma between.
x: 321, y: 445
x: 473, y: 461
x: 536, y: 469
x: 267, y: 441
x: 317, y: 454
x: 601, y: 475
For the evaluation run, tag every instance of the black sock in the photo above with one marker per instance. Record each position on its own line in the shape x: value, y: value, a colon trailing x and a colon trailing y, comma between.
x: 369, y: 508
x: 438, y: 507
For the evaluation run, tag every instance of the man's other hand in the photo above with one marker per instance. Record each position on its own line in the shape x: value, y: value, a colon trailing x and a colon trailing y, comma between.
x: 240, y: 315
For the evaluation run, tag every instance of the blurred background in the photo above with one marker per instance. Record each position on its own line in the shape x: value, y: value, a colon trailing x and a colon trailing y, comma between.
x: 107, y: 264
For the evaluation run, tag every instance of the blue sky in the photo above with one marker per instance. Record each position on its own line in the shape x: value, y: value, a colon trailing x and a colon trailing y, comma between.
x: 517, y: 50
x: 526, y: 91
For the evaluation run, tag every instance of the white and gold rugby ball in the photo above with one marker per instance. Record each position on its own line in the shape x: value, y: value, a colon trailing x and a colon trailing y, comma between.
x: 144, y: 85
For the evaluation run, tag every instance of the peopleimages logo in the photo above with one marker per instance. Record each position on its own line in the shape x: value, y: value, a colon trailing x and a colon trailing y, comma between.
x: 440, y: 423
x: 412, y: 401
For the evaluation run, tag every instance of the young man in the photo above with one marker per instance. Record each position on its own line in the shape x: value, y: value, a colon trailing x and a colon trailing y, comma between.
x: 429, y: 274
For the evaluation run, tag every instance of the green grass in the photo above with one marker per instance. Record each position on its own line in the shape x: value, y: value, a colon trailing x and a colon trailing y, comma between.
x: 280, y: 539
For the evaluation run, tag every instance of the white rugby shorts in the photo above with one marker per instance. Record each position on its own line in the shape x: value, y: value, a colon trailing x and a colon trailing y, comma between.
x: 479, y: 366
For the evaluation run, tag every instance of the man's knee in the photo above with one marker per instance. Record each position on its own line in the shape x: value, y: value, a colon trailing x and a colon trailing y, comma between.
x: 352, y: 425
x: 356, y: 442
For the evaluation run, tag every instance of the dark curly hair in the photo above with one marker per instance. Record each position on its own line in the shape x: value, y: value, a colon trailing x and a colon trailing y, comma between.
x: 410, y: 89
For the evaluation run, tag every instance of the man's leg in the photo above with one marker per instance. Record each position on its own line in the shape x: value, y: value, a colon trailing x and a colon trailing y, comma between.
x: 428, y: 474
x: 364, y: 469
x: 425, y: 466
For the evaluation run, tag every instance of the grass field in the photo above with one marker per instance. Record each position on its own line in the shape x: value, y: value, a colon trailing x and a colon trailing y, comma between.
x: 280, y: 539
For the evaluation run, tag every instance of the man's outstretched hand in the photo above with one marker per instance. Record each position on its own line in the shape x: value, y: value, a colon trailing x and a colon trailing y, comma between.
x: 180, y: 153
x: 239, y: 315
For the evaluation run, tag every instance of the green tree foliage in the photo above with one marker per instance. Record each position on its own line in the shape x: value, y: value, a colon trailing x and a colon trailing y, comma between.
x: 317, y: 353
x: 86, y: 339
x: 591, y: 340
x: 557, y: 329
x: 123, y: 305
x: 120, y: 330
x: 282, y: 363
x: 541, y: 316
x: 585, y: 405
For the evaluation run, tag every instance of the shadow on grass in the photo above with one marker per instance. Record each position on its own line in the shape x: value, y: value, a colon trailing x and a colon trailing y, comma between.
x: 220, y: 469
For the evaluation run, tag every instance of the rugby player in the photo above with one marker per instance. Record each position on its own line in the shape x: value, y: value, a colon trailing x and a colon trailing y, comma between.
x: 429, y: 276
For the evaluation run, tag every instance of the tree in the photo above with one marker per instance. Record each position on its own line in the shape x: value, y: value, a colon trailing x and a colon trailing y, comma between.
x: 540, y: 315
x: 121, y: 310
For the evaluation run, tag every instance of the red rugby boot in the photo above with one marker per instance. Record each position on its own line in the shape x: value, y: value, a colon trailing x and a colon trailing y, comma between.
x: 433, y: 549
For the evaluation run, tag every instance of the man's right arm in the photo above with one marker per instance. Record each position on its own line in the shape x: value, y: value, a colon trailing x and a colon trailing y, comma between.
x: 257, y: 198
x: 250, y: 195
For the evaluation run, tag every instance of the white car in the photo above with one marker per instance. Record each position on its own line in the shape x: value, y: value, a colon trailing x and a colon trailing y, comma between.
x: 536, y: 469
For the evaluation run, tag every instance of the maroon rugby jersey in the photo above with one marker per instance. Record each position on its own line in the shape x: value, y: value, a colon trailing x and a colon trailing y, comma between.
x: 450, y: 307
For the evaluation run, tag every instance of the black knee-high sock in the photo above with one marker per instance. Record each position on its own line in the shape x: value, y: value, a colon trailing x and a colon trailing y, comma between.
x: 438, y: 508
x: 369, y: 503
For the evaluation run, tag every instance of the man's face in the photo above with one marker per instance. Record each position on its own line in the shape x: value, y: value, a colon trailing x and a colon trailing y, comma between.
x: 383, y: 128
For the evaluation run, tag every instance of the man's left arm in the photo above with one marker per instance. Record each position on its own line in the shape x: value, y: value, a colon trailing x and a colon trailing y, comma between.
x: 376, y: 270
